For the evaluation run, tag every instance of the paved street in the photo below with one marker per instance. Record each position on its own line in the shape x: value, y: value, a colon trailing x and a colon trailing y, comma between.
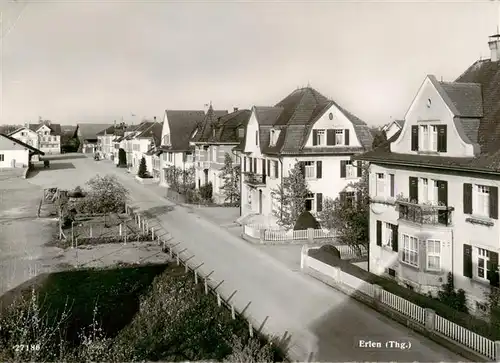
x: 320, y: 318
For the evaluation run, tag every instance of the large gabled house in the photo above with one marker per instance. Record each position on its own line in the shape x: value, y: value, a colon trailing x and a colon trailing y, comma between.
x: 217, y: 136
x: 151, y: 137
x: 15, y: 153
x: 304, y: 127
x: 106, y: 137
x: 139, y: 144
x: 87, y: 135
x: 45, y: 136
x: 434, y: 187
x: 178, y: 126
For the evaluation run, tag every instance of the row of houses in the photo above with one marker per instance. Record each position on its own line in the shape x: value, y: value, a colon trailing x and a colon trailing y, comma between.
x: 433, y: 184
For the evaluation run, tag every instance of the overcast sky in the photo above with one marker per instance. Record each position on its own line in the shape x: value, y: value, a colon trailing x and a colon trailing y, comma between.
x: 84, y: 61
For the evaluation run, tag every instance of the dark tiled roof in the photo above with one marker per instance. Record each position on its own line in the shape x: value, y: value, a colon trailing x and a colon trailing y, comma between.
x: 466, y: 97
x: 55, y: 129
x: 205, y: 127
x: 90, y: 131
x: 485, y: 130
x: 228, y: 126
x: 154, y: 132
x: 182, y: 124
x: 267, y: 116
x: 36, y: 151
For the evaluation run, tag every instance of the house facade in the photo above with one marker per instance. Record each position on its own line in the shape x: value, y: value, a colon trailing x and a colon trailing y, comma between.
x: 176, y: 152
x: 215, y: 138
x: 140, y: 145
x: 87, y: 135
x: 306, y: 128
x: 27, y: 136
x: 105, y: 140
x: 434, y: 187
x: 15, y: 153
x: 152, y: 138
x: 392, y: 128
x: 45, y: 136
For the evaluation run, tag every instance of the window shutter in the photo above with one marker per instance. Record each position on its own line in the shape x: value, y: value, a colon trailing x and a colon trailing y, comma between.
x: 330, y: 137
x: 276, y: 171
x: 346, y: 136
x: 467, y: 261
x: 250, y: 165
x: 319, y: 169
x: 414, y: 138
x: 443, y: 192
x: 315, y: 137
x: 255, y: 165
x: 359, y: 166
x: 263, y: 167
x: 343, y: 164
x: 467, y: 198
x: 257, y: 137
x: 413, y: 189
x: 494, y: 202
x: 391, y: 181
x: 441, y: 138
x: 319, y: 202
x: 379, y: 233
x: 269, y: 167
x: 395, y: 238
x: 493, y: 269
x: 244, y: 163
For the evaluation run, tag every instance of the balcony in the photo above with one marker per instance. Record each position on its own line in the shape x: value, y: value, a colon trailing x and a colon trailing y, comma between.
x: 255, y: 180
x: 424, y: 213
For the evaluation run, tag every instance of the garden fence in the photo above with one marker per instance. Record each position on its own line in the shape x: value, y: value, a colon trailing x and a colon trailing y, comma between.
x: 276, y: 234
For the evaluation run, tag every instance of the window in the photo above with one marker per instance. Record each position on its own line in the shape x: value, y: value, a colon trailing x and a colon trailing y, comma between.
x: 310, y: 170
x: 166, y: 139
x: 310, y: 202
x: 170, y: 157
x: 23, y: 133
x: 241, y: 133
x: 339, y: 137
x: 214, y: 153
x: 387, y: 235
x: 272, y: 139
x: 483, y: 257
x: 481, y: 200
x: 433, y: 255
x: 424, y: 131
x: 350, y: 170
x: 410, y: 250
x: 320, y: 137
x: 380, y: 182
x: 428, y: 137
x: 424, y: 190
x: 2, y: 157
x: 434, y: 138
x: 350, y: 197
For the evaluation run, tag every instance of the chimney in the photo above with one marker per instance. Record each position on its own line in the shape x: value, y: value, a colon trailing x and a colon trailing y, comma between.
x: 154, y: 118
x: 235, y: 109
x: 494, y: 43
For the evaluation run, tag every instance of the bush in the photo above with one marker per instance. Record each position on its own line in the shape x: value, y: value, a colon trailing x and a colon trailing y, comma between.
x: 193, y: 196
x: 465, y: 320
x: 143, y: 170
x: 306, y: 220
x: 76, y: 193
x: 206, y: 192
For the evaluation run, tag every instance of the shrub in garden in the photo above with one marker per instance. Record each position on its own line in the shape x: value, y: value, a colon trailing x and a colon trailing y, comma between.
x: 143, y: 170
x: 193, y: 196
x: 206, y: 192
x: 306, y: 220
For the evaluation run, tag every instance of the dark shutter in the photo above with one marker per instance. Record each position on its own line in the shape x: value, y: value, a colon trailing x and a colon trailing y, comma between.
x: 494, y: 202
x: 269, y: 167
x: 330, y: 137
x: 379, y: 233
x: 413, y: 192
x: 441, y: 138
x: 315, y: 137
x: 319, y: 202
x: 302, y: 166
x: 256, y: 137
x: 442, y: 192
x: 244, y: 163
x: 346, y: 136
x: 319, y: 169
x: 343, y: 164
x: 255, y: 165
x: 391, y: 181
x: 359, y: 167
x: 467, y: 261
x: 395, y: 238
x: 493, y: 269
x: 467, y: 198
x: 414, y: 138
x: 263, y: 167
x: 250, y: 165
x: 276, y: 171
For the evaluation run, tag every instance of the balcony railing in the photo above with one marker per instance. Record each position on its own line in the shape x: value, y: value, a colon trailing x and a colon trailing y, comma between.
x: 425, y: 214
x: 255, y: 179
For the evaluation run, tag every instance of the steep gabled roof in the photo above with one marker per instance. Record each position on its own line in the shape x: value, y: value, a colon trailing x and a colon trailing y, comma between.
x: 204, y: 129
x: 223, y: 129
x: 90, y: 131
x: 483, y: 78
x: 55, y: 129
x: 153, y: 132
x: 182, y: 123
x: 31, y: 148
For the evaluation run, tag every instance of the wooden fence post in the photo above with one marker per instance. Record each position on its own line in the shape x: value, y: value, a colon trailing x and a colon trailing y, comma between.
x: 250, y: 329
x: 218, y: 300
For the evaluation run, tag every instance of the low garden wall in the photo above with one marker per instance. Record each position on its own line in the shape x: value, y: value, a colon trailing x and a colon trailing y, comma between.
x: 270, y: 235
x: 424, y: 320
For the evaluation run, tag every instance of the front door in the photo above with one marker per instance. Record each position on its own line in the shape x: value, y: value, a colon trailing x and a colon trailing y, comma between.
x: 260, y: 201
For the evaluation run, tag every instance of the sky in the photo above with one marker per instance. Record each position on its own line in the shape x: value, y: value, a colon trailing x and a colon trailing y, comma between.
x: 87, y: 61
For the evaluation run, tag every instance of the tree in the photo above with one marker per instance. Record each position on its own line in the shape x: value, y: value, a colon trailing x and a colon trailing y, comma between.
x: 453, y: 298
x: 348, y: 214
x: 306, y: 220
x: 122, y: 157
x: 231, y: 186
x: 106, y: 195
x: 143, y: 170
x: 291, y: 195
x: 379, y: 138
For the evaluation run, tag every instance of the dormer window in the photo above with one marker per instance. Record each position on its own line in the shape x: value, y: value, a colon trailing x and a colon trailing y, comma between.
x: 166, y: 139
x: 241, y: 133
x: 273, y: 137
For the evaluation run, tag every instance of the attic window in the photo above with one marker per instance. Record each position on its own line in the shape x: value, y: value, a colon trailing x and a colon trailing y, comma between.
x: 241, y: 133
x: 429, y: 103
x: 330, y: 116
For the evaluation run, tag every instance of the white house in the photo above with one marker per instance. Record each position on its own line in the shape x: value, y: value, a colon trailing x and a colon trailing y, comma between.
x: 15, y: 153
x: 151, y: 138
x: 217, y: 136
x: 434, y: 187
x: 307, y: 128
x: 87, y: 135
x: 393, y: 127
x: 45, y: 136
x: 140, y: 145
x: 106, y: 137
x: 178, y: 126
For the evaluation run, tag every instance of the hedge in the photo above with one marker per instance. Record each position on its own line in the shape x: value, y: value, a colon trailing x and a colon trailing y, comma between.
x: 467, y: 321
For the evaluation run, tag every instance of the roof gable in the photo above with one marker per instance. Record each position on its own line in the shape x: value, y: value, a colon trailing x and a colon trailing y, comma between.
x: 19, y: 145
x: 181, y: 124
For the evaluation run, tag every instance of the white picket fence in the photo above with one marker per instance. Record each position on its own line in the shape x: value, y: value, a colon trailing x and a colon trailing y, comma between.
x: 272, y: 233
x: 451, y: 330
